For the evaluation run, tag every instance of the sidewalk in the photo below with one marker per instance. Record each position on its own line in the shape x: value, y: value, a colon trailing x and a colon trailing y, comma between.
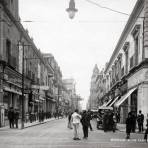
x: 28, y: 124
x: 122, y: 128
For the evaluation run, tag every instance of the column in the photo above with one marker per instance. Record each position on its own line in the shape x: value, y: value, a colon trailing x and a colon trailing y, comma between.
x: 125, y: 48
x: 146, y: 29
x: 143, y: 99
x: 1, y: 32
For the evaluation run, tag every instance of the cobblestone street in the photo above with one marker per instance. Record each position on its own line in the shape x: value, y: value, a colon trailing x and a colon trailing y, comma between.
x: 55, y: 134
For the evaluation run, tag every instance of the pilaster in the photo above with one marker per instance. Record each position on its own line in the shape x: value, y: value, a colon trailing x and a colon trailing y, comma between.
x: 146, y: 29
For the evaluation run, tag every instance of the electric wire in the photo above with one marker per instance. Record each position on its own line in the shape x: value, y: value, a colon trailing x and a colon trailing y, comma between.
x: 110, y: 9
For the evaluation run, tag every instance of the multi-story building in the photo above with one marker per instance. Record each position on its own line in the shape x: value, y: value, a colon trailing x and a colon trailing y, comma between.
x: 70, y: 86
x: 100, y: 87
x: 55, y: 93
x: 93, y: 101
x: 127, y: 70
x: 23, y: 68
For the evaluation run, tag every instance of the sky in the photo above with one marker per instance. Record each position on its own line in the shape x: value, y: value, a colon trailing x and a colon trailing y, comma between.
x: 80, y: 43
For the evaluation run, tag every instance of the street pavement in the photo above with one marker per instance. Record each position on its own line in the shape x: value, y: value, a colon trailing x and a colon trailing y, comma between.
x: 55, y: 134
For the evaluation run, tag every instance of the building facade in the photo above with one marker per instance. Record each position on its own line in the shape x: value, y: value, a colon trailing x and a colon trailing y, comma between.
x: 24, y: 69
x: 127, y: 71
x: 93, y: 98
x: 74, y: 100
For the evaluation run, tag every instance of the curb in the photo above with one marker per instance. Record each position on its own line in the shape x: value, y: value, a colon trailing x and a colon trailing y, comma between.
x: 37, y: 124
x: 27, y: 126
x: 131, y: 132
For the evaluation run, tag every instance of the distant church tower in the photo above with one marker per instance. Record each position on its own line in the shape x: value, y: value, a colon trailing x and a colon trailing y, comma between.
x: 13, y: 6
x: 93, y: 96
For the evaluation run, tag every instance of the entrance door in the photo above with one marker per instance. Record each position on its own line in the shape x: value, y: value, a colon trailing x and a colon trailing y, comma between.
x: 134, y: 101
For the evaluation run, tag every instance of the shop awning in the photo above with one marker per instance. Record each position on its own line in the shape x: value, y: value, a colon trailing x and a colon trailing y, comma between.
x: 108, y: 102
x: 12, y: 90
x: 114, y: 101
x: 123, y: 98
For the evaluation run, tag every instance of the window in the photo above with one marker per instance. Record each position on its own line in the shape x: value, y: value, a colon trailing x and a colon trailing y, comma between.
x: 8, y: 51
x: 132, y: 62
x: 122, y: 72
x: 136, y: 34
x: 125, y: 48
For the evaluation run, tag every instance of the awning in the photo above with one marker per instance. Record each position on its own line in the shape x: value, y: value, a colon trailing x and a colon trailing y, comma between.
x: 104, y: 104
x: 12, y: 90
x: 114, y: 101
x: 108, y: 102
x: 123, y: 98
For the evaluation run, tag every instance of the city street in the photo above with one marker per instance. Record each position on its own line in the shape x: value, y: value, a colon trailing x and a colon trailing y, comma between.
x: 55, y: 134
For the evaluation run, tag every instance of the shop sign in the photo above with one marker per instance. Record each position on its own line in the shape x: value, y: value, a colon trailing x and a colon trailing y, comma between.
x: 17, y: 81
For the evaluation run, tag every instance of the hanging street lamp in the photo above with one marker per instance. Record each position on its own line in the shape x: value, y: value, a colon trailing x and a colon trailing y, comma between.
x: 71, y: 10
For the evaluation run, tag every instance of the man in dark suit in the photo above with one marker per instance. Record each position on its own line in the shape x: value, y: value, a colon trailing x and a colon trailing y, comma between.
x: 16, y: 117
x: 140, y: 120
x: 85, y: 124
x: 11, y: 117
x: 90, y: 118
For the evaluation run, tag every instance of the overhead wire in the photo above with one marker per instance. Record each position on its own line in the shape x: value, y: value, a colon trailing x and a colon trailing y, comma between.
x: 89, y: 1
x: 104, y: 7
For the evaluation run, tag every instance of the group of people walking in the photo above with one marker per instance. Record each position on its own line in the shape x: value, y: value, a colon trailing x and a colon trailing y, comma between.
x: 13, y: 117
x: 75, y: 119
x: 131, y: 121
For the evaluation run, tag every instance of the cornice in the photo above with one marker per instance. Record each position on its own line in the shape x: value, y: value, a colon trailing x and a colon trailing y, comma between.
x: 21, y: 29
x: 131, y: 21
x: 143, y: 64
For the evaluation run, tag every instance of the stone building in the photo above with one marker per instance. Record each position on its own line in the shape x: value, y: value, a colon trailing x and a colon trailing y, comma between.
x: 93, y: 98
x: 70, y: 85
x: 23, y: 68
x: 127, y: 70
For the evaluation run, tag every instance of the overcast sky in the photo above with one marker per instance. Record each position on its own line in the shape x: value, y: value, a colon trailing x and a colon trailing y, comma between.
x: 77, y: 44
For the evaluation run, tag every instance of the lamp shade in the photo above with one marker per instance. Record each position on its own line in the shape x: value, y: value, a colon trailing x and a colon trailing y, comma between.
x: 71, y: 10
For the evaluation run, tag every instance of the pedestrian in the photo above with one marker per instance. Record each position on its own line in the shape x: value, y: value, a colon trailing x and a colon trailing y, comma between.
x: 90, y: 118
x: 11, y: 117
x: 75, y: 118
x: 133, y: 116
x: 140, y: 120
x: 105, y: 121
x: 16, y: 117
x: 114, y: 122
x: 42, y: 116
x: 85, y: 121
x: 110, y: 124
x: 69, y: 121
x: 128, y: 125
x: 146, y: 131
x: 118, y: 116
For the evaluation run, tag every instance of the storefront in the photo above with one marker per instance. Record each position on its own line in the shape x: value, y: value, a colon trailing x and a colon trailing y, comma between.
x: 127, y: 103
